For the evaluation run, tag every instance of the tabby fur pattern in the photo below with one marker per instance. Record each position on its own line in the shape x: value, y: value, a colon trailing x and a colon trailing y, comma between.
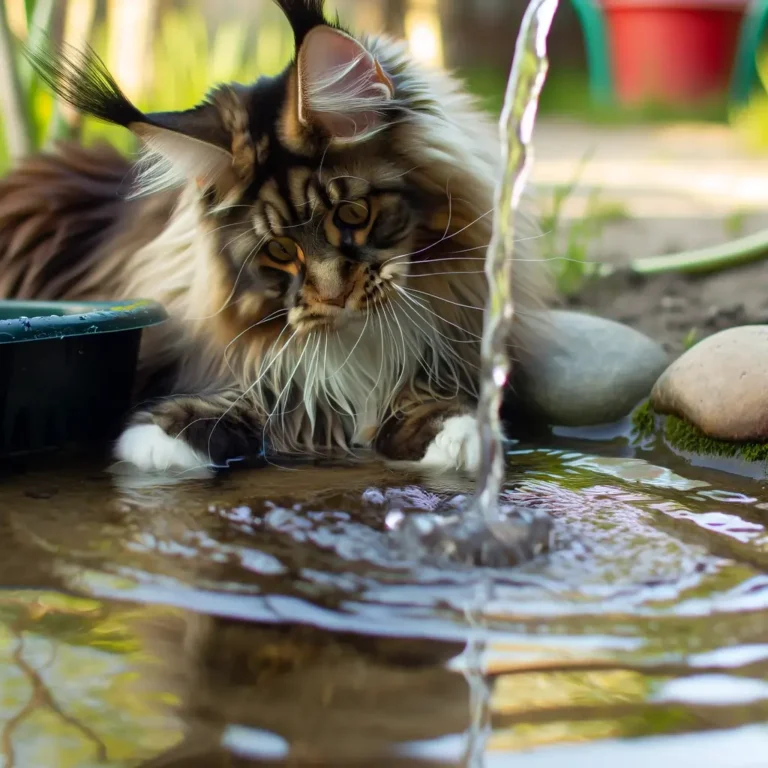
x: 317, y: 237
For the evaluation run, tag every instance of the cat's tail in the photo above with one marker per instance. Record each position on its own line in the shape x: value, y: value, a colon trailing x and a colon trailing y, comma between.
x: 56, y: 210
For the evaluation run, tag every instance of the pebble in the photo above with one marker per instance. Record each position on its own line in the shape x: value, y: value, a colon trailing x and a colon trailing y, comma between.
x: 589, y: 370
x: 720, y: 385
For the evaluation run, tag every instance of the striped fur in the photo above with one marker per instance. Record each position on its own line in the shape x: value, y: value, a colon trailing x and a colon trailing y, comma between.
x: 251, y: 173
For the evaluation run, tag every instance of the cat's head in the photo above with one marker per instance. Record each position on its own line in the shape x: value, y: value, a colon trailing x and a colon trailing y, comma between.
x: 325, y: 189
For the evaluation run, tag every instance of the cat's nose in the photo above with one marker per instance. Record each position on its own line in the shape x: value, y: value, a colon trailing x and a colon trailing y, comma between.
x: 334, y: 296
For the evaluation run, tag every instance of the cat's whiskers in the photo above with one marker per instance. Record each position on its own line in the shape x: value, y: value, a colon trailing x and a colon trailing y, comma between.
x: 377, y: 309
x: 464, y: 250
x: 416, y: 301
x: 432, y: 368
x: 263, y: 370
x: 273, y: 316
x: 442, y: 357
x: 442, y: 298
x: 283, y: 412
x: 219, y: 418
x: 359, y: 339
x: 402, y: 339
x: 450, y: 211
x: 233, y: 290
x: 441, y: 240
x: 444, y: 354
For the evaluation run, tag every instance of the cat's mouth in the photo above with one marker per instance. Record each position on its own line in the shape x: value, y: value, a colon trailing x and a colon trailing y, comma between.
x: 329, y: 319
x: 315, y: 323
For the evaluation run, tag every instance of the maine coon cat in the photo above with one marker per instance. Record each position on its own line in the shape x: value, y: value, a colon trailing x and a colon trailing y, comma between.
x: 318, y: 238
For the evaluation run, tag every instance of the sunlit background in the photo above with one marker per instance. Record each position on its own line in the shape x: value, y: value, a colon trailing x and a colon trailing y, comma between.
x: 165, y: 53
x: 652, y: 137
x: 654, y: 113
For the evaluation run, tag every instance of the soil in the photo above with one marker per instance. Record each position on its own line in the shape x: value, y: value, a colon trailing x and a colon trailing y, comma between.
x: 679, y: 310
x: 682, y: 187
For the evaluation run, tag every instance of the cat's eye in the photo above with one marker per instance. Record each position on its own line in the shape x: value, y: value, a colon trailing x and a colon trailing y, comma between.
x: 352, y: 214
x: 284, y: 250
x: 282, y: 253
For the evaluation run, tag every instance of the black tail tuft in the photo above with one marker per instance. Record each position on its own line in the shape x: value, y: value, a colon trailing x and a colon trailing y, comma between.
x: 82, y: 79
x: 303, y: 16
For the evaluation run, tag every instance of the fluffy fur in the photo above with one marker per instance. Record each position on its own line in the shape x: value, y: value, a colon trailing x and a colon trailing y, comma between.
x: 318, y: 239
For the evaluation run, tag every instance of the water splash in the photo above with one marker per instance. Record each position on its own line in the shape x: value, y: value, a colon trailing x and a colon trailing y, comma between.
x: 490, y: 532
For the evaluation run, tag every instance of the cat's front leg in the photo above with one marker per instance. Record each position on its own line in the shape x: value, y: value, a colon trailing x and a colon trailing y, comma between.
x: 440, y: 434
x: 189, y: 432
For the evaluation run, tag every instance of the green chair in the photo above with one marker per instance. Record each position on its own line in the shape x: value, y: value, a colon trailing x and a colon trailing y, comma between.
x: 601, y: 84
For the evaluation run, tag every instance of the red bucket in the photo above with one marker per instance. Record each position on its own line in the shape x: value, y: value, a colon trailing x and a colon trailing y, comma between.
x: 679, y: 51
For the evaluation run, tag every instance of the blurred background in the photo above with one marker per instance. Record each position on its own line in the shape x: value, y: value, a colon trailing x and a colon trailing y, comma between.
x: 653, y: 128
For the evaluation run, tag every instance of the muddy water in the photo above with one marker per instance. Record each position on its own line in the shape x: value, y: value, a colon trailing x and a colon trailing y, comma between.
x: 264, y: 619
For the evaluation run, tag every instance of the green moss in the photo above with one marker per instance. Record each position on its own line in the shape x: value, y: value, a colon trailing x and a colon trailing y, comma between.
x: 644, y: 420
x: 687, y: 438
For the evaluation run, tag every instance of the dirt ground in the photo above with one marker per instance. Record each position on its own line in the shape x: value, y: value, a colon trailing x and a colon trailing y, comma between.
x: 679, y: 187
x: 680, y: 310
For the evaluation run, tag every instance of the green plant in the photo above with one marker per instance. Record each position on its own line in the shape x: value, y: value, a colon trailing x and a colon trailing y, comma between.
x: 24, y: 111
x: 690, y: 339
x: 735, y: 223
x: 567, y: 245
x: 186, y: 60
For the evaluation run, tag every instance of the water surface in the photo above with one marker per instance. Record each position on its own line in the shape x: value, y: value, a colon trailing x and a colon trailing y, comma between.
x: 266, y: 615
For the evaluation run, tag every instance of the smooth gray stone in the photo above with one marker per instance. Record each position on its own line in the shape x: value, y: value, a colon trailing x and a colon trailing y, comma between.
x: 587, y: 370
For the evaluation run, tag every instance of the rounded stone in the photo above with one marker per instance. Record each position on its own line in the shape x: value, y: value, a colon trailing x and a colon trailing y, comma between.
x: 720, y: 385
x: 587, y: 370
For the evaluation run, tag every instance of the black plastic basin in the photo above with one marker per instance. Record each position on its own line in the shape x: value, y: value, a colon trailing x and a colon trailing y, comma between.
x: 67, y: 370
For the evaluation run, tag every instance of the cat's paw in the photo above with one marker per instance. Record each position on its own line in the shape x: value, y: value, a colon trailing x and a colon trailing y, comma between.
x: 456, y: 446
x: 150, y: 449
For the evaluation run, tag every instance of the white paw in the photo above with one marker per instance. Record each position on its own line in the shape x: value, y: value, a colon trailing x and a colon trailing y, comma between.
x: 457, y: 445
x: 149, y: 448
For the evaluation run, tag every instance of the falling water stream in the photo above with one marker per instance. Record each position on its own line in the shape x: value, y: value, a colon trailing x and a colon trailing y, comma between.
x: 518, y: 117
x: 489, y: 533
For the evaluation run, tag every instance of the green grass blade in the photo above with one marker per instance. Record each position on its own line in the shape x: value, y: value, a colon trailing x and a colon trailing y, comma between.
x: 13, y: 103
x: 29, y: 10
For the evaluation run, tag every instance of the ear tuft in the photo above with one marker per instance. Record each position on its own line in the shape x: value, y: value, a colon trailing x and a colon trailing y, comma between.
x: 303, y: 16
x: 342, y: 87
x: 81, y: 79
x: 210, y: 144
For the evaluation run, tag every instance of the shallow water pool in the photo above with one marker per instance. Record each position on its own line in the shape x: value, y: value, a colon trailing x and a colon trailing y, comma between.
x: 264, y: 618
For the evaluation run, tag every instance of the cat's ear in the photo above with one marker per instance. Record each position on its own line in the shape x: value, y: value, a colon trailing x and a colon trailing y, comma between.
x: 342, y: 88
x: 209, y: 144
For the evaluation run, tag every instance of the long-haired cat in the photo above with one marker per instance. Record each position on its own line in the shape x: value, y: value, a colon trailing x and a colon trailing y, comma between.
x: 318, y: 238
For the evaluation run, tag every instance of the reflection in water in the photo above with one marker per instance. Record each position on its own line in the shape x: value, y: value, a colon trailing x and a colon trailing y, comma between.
x: 296, y: 690
x: 69, y: 694
x: 226, y: 618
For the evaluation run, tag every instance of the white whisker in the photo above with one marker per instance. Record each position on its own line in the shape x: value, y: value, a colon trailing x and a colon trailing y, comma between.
x: 414, y: 300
